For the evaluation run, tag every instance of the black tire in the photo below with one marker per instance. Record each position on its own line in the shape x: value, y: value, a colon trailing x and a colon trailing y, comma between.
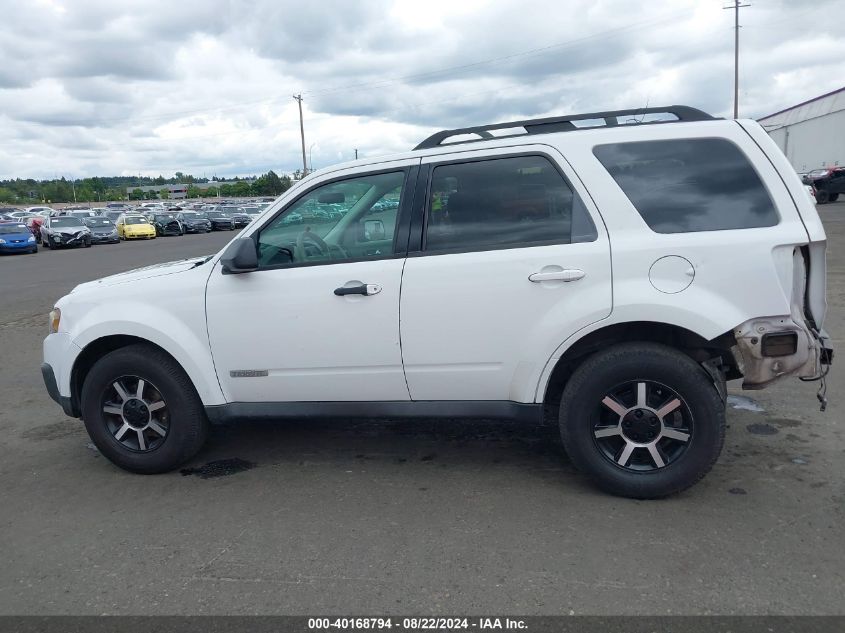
x: 670, y: 372
x: 186, y: 426
x: 834, y: 197
x: 822, y: 196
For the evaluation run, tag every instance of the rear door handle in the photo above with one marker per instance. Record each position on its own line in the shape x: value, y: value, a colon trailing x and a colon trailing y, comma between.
x: 567, y: 274
x: 362, y: 289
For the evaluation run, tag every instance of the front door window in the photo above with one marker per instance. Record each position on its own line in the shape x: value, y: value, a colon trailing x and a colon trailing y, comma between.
x: 346, y: 220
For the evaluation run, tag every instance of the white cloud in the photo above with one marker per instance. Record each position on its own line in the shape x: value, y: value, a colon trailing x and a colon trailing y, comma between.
x: 99, y: 87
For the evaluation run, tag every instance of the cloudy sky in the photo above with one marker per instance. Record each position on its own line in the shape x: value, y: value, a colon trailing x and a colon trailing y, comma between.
x: 121, y: 87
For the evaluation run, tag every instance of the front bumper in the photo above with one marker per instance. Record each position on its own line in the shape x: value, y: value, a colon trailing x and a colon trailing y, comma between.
x: 53, y: 390
x: 106, y: 238
x: 139, y: 236
x: 17, y: 247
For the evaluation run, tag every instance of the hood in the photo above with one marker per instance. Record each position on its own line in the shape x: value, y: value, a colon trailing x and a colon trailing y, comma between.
x: 23, y: 235
x: 137, y: 227
x: 195, y: 221
x: 157, y: 270
x: 103, y: 230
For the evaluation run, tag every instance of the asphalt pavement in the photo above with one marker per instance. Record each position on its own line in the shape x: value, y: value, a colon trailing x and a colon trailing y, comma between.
x: 434, y: 517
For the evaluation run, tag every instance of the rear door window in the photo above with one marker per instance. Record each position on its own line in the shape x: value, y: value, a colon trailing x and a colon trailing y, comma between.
x: 503, y: 203
x: 689, y: 185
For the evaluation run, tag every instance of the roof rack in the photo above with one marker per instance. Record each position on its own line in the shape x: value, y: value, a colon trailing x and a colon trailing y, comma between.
x: 564, y: 124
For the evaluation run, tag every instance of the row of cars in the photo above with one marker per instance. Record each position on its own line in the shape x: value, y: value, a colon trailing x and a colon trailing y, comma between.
x: 23, y: 230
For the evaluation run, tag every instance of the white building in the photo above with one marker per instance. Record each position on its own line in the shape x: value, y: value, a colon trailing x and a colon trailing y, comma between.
x: 811, y: 134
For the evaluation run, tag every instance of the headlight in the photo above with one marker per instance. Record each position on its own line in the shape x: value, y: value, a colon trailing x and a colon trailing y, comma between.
x: 2, y: 241
x: 55, y: 318
x: 31, y: 238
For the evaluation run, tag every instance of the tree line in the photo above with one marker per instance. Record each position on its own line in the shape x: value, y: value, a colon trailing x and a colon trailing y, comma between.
x: 100, y: 189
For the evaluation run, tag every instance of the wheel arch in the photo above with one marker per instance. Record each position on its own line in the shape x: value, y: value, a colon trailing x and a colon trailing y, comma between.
x: 693, y: 345
x: 103, y: 345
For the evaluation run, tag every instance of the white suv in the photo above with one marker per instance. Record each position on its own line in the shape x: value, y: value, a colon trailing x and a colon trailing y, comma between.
x: 613, y: 269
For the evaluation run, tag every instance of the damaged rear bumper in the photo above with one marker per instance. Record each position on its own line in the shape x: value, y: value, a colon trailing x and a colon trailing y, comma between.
x: 773, y: 347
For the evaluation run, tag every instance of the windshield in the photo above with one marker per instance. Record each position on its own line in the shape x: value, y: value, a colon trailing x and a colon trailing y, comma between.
x: 98, y: 222
x: 135, y: 220
x: 9, y: 229
x: 165, y: 218
x: 194, y: 216
x: 218, y: 214
x: 66, y: 221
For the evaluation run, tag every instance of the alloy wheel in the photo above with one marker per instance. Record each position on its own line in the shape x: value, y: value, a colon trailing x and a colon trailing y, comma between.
x: 136, y: 415
x: 643, y: 425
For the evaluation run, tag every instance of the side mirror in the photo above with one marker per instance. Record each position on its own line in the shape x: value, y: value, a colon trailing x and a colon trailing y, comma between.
x: 241, y: 256
x: 373, y: 230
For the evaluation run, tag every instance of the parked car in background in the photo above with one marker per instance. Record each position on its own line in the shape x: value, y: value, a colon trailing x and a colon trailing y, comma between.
x: 15, y: 237
x: 827, y: 184
x: 83, y: 213
x: 63, y: 231
x: 240, y: 218
x: 113, y: 214
x: 194, y: 222
x: 103, y: 230
x: 45, y: 211
x: 220, y: 220
x: 135, y: 227
x: 167, y: 224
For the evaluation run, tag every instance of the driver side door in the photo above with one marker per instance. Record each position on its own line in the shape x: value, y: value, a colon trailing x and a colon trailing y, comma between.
x: 319, y: 320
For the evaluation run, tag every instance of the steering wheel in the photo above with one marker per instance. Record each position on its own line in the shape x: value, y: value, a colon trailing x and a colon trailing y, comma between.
x: 316, y: 240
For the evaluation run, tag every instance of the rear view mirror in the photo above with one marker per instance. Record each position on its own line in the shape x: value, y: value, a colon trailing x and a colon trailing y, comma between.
x: 332, y: 197
x: 373, y: 230
x: 240, y: 256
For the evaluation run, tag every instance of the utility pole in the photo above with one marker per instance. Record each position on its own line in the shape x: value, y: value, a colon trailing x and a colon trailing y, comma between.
x: 736, y: 6
x: 298, y: 99
x: 356, y: 153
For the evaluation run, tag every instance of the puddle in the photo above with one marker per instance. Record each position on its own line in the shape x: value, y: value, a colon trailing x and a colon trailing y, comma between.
x: 219, y: 468
x: 745, y: 403
x: 762, y: 429
x: 738, y: 491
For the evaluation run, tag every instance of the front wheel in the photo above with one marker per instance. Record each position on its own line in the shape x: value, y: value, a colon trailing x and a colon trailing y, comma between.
x: 822, y: 196
x: 834, y: 197
x: 142, y: 411
x: 643, y: 420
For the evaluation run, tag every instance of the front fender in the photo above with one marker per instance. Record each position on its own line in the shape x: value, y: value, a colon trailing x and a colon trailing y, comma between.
x: 185, y: 340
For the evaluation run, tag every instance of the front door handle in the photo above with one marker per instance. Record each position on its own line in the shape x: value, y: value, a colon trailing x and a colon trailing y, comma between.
x: 360, y: 289
x: 567, y: 274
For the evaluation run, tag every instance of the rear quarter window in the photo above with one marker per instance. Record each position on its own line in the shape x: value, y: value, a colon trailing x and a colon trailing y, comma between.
x: 689, y: 185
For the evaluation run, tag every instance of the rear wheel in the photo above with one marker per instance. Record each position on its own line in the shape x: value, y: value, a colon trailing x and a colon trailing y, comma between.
x: 822, y: 196
x: 834, y: 197
x: 142, y: 411
x: 643, y: 420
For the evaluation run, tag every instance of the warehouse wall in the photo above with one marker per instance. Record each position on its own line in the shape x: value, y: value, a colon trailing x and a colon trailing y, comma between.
x: 812, y: 144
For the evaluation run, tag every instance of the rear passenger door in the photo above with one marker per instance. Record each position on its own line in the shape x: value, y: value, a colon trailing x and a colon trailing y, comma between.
x: 508, y: 258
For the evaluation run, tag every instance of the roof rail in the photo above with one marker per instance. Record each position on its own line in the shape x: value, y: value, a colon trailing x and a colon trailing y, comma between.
x: 564, y: 124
